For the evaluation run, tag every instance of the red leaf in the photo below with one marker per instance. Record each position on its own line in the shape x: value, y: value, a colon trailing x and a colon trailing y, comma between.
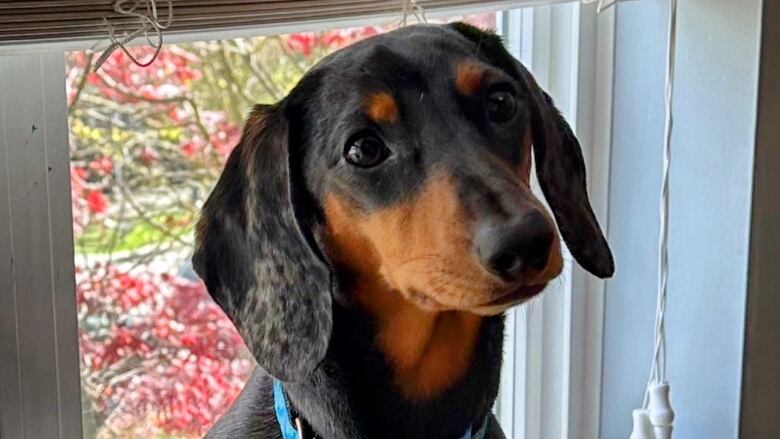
x: 103, y: 165
x: 96, y: 202
x: 148, y: 155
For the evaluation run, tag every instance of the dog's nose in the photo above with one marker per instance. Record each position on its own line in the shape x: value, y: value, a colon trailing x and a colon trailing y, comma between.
x: 511, y: 249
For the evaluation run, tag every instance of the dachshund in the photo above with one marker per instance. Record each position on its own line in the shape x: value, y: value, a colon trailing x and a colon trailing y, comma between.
x: 371, y: 228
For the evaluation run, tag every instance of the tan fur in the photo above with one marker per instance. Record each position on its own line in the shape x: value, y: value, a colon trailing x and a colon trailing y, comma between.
x: 422, y: 248
x: 468, y: 77
x: 413, y: 270
x: 381, y: 108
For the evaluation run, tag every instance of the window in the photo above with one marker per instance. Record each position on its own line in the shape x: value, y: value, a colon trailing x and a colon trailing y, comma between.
x: 146, y: 146
x: 158, y: 357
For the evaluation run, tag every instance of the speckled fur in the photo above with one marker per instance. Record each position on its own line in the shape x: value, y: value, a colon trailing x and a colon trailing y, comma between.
x: 258, y: 266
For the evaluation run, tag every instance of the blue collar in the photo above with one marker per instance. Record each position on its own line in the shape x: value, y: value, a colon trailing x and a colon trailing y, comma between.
x: 289, y: 430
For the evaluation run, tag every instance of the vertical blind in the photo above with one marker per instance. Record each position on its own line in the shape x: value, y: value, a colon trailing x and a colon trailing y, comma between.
x: 63, y: 20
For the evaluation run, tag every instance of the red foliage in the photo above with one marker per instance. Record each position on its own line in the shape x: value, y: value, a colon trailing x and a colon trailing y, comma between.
x: 226, y: 137
x: 305, y: 42
x: 148, y: 156
x: 103, y: 165
x: 96, y: 202
x: 159, y: 356
x: 77, y: 182
x: 173, y: 68
x: 302, y: 42
x: 175, y: 361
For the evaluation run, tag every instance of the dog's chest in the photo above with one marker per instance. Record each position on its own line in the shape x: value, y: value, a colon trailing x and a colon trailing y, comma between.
x: 352, y: 394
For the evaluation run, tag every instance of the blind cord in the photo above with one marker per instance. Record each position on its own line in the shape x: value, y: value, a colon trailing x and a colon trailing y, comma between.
x: 603, y: 4
x: 149, y: 25
x: 658, y: 371
x: 655, y: 419
x: 411, y: 7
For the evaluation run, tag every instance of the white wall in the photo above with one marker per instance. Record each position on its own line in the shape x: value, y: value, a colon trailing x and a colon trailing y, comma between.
x: 711, y: 180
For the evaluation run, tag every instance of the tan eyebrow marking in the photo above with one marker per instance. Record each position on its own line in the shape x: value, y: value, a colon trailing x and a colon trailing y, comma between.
x: 468, y: 77
x: 381, y: 107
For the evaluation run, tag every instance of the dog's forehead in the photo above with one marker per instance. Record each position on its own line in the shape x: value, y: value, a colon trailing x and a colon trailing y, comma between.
x: 419, y: 54
x: 408, y: 83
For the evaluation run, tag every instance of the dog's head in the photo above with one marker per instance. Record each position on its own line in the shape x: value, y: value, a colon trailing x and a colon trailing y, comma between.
x: 404, y: 159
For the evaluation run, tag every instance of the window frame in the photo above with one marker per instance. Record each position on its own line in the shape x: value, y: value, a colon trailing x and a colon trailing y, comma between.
x: 570, y: 50
x: 546, y: 340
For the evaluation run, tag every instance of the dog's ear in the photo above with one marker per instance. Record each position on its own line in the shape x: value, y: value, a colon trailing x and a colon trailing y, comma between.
x: 256, y: 251
x: 561, y: 172
x: 559, y: 163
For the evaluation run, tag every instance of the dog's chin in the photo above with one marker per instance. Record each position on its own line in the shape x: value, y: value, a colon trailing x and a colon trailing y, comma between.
x: 424, y: 301
x: 515, y: 297
x: 493, y: 307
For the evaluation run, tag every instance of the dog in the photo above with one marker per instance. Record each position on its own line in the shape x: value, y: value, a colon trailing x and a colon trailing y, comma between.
x: 370, y: 229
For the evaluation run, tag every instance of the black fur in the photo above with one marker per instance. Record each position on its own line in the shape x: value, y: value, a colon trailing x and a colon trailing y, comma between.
x: 559, y: 163
x: 256, y: 259
x: 258, y: 240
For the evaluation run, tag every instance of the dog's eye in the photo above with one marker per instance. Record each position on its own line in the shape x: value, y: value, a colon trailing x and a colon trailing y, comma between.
x: 366, y: 151
x: 502, y: 106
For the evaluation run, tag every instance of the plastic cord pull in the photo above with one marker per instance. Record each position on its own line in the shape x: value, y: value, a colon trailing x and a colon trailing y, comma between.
x: 643, y: 429
x: 660, y: 410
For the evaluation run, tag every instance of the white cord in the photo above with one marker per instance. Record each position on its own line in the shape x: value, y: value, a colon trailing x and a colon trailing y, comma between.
x: 603, y: 4
x: 656, y: 405
x: 658, y: 370
x: 149, y: 23
x: 411, y: 7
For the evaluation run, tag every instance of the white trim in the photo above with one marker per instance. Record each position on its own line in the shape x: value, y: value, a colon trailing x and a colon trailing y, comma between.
x: 556, y: 341
x: 594, y: 129
x: 551, y: 62
x: 39, y: 370
x: 519, y: 403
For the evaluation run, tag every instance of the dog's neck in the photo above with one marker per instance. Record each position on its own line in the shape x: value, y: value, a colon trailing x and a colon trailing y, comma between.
x: 427, y: 351
x: 394, y: 370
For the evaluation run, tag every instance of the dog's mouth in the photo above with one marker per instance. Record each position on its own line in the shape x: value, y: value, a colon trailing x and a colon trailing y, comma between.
x: 514, y: 297
x: 502, y: 302
x: 519, y: 294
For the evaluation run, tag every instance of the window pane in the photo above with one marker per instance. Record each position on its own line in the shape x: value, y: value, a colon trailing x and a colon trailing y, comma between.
x: 158, y: 358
